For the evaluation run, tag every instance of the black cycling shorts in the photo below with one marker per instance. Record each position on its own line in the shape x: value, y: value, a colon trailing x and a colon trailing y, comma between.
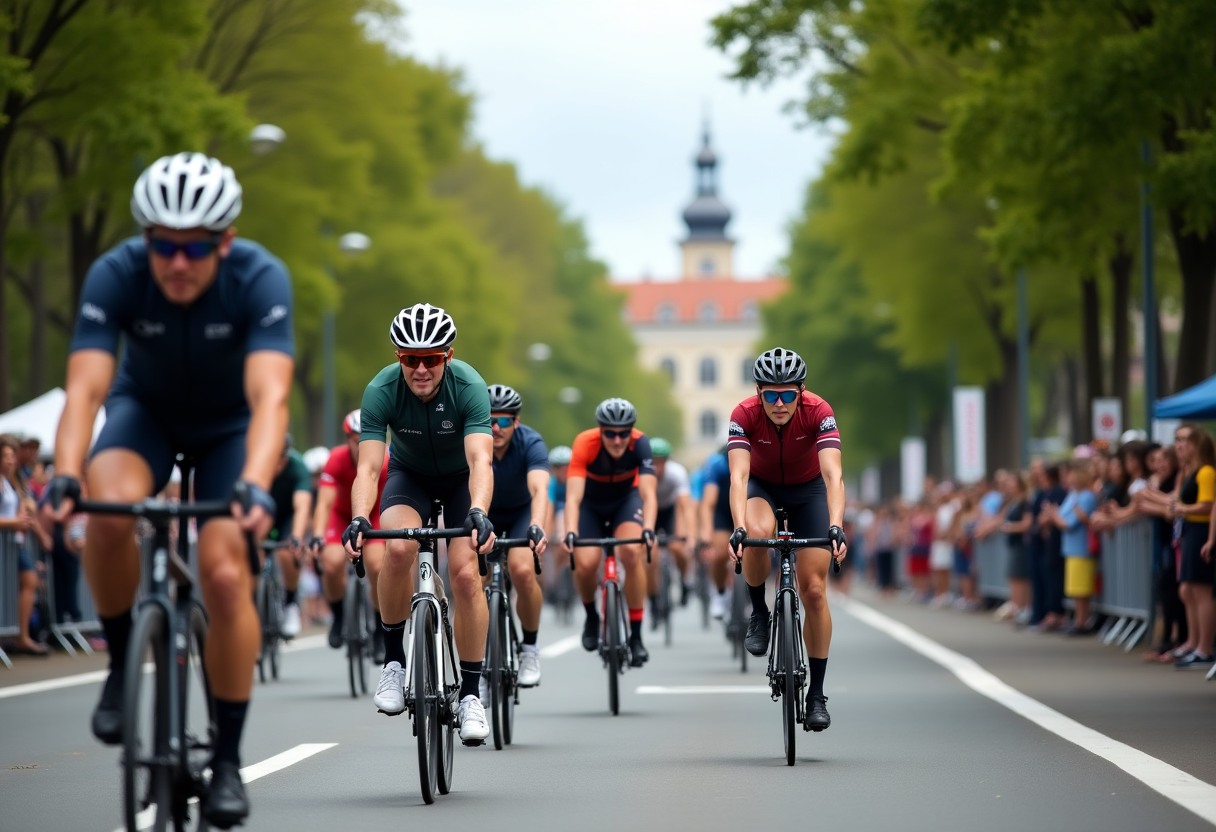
x: 806, y: 504
x: 592, y: 516
x: 513, y: 522
x: 665, y: 521
x: 409, y: 488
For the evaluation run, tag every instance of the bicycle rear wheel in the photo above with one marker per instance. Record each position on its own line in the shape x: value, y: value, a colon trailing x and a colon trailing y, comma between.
x: 263, y: 619
x: 665, y: 600
x: 510, y: 688
x: 497, y: 657
x: 426, y: 695
x: 145, y: 735
x: 612, y: 642
x: 789, y: 666
x: 446, y: 708
x: 198, y: 718
x: 274, y: 605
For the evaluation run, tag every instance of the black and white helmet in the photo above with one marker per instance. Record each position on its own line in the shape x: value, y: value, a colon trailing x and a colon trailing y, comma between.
x: 421, y: 327
x: 504, y: 399
x: 779, y: 366
x: 189, y: 190
x: 616, y: 413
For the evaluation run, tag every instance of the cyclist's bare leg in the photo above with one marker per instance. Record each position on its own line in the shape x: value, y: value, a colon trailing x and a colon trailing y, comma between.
x: 760, y: 523
x: 289, y: 568
x: 472, y: 618
x: 528, y: 596
x: 586, y: 572
x: 717, y: 558
x: 679, y: 553
x: 633, y: 558
x: 652, y: 569
x: 373, y: 556
x: 395, y: 585
x: 812, y: 589
x: 234, y: 633
x: 333, y: 572
x: 111, y: 553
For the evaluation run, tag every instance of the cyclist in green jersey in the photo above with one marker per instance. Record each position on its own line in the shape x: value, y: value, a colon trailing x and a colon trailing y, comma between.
x: 435, y: 412
x: 292, y: 493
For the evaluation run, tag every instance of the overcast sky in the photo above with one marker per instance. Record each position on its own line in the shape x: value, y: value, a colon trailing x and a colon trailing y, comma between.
x: 600, y: 102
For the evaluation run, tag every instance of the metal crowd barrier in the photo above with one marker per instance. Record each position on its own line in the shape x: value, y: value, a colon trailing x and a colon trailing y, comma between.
x: 1127, y: 583
x: 10, y: 588
x: 990, y: 562
x: 68, y: 631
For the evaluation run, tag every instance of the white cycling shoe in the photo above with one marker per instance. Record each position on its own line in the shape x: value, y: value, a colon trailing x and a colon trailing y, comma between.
x: 719, y: 604
x: 390, y: 693
x: 529, y: 666
x: 473, y: 725
x: 291, y: 621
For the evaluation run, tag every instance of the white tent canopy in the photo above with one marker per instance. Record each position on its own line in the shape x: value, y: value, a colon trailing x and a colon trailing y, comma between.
x: 40, y: 418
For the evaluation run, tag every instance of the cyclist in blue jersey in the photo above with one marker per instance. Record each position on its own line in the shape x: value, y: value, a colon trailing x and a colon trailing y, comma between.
x: 559, y: 468
x: 206, y: 324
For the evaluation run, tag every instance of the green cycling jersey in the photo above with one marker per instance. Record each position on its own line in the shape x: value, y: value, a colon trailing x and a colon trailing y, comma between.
x: 427, y: 437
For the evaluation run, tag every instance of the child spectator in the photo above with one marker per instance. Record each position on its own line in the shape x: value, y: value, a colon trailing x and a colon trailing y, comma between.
x: 1072, y: 519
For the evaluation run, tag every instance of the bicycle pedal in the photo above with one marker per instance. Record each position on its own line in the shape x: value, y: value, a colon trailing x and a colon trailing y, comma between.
x: 472, y: 743
x: 389, y: 713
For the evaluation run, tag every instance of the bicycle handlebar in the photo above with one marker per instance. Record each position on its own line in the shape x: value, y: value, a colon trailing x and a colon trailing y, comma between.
x: 413, y: 534
x: 606, y: 541
x: 158, y: 509
x: 789, y: 544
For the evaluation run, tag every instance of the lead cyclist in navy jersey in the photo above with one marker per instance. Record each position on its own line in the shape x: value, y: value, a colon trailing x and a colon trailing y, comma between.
x: 206, y: 321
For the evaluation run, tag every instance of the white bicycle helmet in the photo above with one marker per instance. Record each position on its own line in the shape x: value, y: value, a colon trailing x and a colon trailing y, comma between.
x: 561, y: 455
x: 421, y: 327
x: 779, y: 366
x: 189, y: 190
x: 315, y: 459
x: 504, y: 399
x: 353, y: 423
x: 616, y: 413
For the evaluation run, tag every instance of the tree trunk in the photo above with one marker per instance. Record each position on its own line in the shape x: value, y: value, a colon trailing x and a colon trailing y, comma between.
x: 1091, y: 335
x: 935, y: 455
x: 1197, y: 262
x: 1001, y: 413
x: 1121, y: 264
x: 34, y: 206
x: 1076, y: 402
x: 313, y: 396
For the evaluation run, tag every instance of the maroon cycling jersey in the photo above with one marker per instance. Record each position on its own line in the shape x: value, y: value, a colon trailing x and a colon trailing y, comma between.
x: 789, y: 454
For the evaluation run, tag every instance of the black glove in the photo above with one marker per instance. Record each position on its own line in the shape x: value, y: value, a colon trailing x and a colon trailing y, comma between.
x: 248, y: 495
x: 358, y: 526
x: 836, y: 535
x: 648, y: 538
x: 570, y: 538
x: 736, y: 539
x: 536, y: 534
x: 315, y: 544
x: 479, y: 523
x: 60, y: 487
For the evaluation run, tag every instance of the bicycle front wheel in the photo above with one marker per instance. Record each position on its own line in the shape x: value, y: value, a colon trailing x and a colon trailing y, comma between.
x: 738, y: 622
x: 353, y: 629
x: 612, y: 641
x: 497, y: 657
x: 426, y: 696
x: 274, y: 606
x: 264, y: 620
x: 789, y: 666
x: 145, y: 734
x: 510, y: 689
x: 665, y: 599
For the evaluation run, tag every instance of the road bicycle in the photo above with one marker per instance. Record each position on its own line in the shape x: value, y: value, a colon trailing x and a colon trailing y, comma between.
x: 358, y: 621
x: 169, y: 712
x: 432, y: 670
x: 502, y: 641
x: 701, y: 581
x: 268, y: 598
x: 787, y: 670
x: 664, y: 604
x: 614, y: 636
x: 736, y: 624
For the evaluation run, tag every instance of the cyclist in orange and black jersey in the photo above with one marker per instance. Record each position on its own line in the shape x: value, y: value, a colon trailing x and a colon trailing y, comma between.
x: 611, y: 479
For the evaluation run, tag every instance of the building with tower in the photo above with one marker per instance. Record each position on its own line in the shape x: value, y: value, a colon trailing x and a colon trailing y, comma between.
x: 702, y: 329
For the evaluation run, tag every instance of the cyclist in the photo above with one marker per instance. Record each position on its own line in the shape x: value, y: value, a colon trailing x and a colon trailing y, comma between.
x: 784, y: 452
x: 559, y: 469
x: 519, y: 508
x: 292, y: 493
x: 716, y: 526
x: 435, y: 412
x: 332, y: 516
x: 206, y: 370
x: 676, y: 517
x: 612, y: 478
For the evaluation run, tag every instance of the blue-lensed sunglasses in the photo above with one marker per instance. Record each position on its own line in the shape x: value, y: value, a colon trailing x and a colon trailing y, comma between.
x: 787, y: 396
x: 503, y: 422
x: 194, y: 250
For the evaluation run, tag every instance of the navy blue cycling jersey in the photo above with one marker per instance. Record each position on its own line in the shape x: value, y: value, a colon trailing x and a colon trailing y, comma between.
x: 527, y: 452
x: 186, y: 363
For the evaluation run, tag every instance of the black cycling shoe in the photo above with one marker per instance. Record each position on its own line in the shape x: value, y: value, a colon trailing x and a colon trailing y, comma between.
x: 107, y: 716
x: 817, y: 716
x: 685, y: 589
x: 638, y: 654
x: 335, y: 634
x: 591, y: 632
x: 225, y: 804
x: 756, y: 640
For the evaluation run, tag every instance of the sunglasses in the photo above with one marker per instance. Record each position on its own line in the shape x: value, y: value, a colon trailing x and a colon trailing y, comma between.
x: 430, y: 360
x: 616, y: 434
x: 787, y: 396
x: 194, y: 250
x: 503, y: 422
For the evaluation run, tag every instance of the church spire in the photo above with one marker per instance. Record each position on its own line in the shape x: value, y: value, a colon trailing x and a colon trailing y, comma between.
x: 707, y: 216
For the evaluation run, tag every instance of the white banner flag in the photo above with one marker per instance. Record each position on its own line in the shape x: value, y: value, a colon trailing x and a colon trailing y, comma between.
x: 912, y: 469
x: 970, y: 450
x: 1108, y: 419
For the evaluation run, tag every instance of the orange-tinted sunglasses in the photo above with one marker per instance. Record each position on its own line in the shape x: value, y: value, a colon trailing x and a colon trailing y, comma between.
x: 428, y: 360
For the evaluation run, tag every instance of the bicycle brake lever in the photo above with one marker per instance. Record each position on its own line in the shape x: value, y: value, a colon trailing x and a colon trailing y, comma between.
x: 739, y: 566
x: 482, y: 568
x: 835, y: 566
x: 360, y: 569
x: 255, y: 562
x: 536, y: 561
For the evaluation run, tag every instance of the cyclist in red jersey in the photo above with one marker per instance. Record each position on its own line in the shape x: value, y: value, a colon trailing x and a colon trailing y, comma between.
x: 784, y: 452
x: 332, y: 516
x: 611, y: 479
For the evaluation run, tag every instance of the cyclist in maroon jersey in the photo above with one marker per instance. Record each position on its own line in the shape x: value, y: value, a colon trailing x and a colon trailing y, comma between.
x: 784, y: 452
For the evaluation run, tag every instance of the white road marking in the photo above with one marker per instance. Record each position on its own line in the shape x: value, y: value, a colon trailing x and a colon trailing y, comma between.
x: 695, y: 689
x: 278, y: 762
x: 1184, y: 789
x: 557, y: 648
x: 306, y: 643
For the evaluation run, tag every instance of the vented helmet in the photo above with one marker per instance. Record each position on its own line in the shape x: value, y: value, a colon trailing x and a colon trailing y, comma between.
x: 421, y: 327
x: 779, y: 366
x: 353, y: 423
x: 315, y: 459
x: 504, y: 399
x: 561, y: 455
x: 660, y: 447
x: 189, y: 190
x: 616, y: 413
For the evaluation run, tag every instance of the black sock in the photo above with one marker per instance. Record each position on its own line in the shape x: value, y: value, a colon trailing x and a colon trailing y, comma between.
x: 289, y: 596
x: 117, y: 630
x: 379, y: 620
x: 530, y: 636
x: 229, y: 723
x: 819, y: 669
x: 635, y: 630
x: 590, y: 608
x: 470, y: 678
x: 757, y: 596
x: 394, y: 643
x: 336, y: 608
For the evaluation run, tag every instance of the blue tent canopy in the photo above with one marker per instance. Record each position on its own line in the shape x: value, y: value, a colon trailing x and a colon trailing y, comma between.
x: 1198, y: 402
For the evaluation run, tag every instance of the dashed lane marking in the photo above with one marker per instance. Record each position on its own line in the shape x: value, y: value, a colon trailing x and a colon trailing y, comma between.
x: 678, y: 690
x: 557, y: 648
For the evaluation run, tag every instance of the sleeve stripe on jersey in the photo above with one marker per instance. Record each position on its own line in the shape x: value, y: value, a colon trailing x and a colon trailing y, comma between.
x: 829, y: 441
x: 739, y: 443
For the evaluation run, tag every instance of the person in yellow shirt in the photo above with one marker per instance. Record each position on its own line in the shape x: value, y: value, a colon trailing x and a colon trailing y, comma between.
x: 1196, y: 496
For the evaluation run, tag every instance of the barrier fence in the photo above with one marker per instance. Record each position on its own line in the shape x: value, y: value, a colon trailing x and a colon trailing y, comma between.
x: 10, y: 589
x: 990, y: 560
x: 1127, y: 583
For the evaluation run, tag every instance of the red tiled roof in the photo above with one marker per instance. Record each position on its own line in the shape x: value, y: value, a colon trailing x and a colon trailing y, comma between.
x: 687, y: 298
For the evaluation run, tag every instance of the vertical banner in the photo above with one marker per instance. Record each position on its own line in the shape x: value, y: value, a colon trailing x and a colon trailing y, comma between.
x: 871, y: 485
x: 970, y: 450
x: 1163, y: 430
x: 1108, y: 419
x: 912, y: 469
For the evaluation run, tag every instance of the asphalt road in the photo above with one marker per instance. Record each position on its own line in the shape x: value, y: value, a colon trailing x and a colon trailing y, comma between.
x: 911, y: 747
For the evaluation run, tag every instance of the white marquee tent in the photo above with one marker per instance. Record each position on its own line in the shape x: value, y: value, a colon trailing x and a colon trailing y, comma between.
x: 40, y: 417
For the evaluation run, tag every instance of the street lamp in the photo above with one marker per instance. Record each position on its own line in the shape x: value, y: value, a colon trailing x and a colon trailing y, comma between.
x: 350, y: 244
x: 265, y: 138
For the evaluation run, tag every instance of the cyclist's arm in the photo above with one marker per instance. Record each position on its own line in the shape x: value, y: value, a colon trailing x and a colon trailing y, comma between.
x: 367, y: 479
x: 740, y: 460
x: 833, y: 478
x: 686, y: 509
x: 709, y: 499
x: 301, y: 503
x: 326, y: 494
x: 479, y: 451
x: 538, y: 484
x: 574, y: 501
x: 90, y: 373
x: 267, y: 387
x: 647, y: 487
